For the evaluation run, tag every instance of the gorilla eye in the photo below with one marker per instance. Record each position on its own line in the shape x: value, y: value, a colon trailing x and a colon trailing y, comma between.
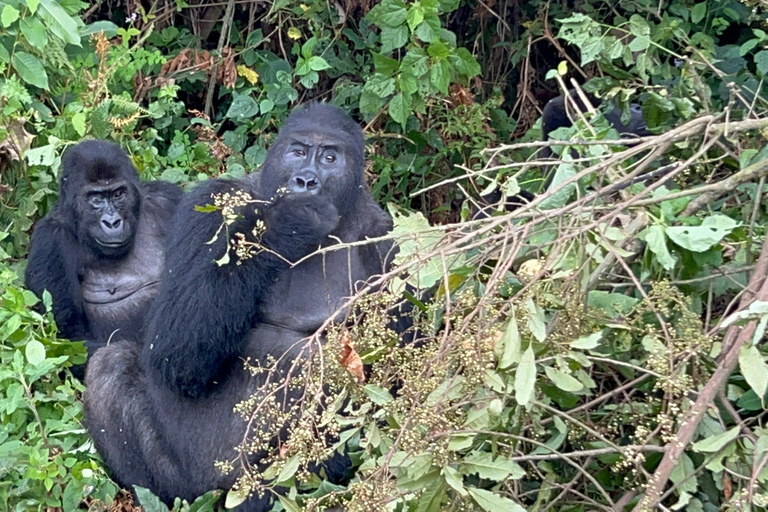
x: 299, y: 152
x: 119, y: 193
x: 330, y: 158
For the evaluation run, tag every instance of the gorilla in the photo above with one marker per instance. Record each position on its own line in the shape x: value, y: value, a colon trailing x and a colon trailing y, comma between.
x: 100, y: 251
x: 559, y: 113
x: 161, y: 415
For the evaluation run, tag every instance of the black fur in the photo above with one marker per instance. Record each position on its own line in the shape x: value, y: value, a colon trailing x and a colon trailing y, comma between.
x: 558, y: 113
x: 99, y: 289
x: 162, y: 417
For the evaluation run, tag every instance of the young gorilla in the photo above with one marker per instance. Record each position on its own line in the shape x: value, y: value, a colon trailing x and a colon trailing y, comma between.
x: 162, y: 417
x: 100, y: 251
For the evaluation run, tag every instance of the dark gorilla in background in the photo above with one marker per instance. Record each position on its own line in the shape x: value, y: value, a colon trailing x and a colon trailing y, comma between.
x: 160, y: 416
x: 559, y: 113
x: 100, y: 251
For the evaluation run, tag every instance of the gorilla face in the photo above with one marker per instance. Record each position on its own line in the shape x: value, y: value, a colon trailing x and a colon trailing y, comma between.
x: 319, y: 151
x: 108, y: 215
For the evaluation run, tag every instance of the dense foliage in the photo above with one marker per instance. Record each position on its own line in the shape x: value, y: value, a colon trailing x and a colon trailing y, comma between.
x: 568, y: 343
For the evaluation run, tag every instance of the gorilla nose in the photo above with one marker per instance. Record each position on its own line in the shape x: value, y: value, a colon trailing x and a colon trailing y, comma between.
x: 304, y: 182
x: 112, y: 223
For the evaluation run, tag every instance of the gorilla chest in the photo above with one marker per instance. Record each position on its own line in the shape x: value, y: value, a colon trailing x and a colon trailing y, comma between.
x: 115, y: 291
x: 305, y: 296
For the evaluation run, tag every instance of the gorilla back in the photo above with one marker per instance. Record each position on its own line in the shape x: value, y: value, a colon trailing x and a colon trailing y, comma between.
x: 100, y: 250
x: 161, y: 416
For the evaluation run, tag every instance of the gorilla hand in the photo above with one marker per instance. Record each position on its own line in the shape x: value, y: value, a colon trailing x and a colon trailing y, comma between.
x: 299, y: 223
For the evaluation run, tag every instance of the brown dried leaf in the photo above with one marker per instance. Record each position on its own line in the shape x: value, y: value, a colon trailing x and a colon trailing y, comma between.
x: 351, y: 360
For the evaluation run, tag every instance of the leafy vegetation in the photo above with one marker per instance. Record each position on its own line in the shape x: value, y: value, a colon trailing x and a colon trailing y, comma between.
x: 596, y: 349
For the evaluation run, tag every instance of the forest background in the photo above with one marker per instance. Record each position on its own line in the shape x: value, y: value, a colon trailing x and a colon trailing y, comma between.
x: 597, y: 349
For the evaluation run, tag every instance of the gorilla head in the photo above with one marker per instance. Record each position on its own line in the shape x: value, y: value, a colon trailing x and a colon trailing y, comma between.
x: 99, y: 186
x: 319, y: 151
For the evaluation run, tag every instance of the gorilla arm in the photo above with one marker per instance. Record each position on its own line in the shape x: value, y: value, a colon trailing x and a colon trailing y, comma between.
x: 204, y: 311
x: 52, y: 266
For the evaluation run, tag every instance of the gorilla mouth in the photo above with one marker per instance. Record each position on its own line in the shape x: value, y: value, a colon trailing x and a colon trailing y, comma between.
x: 112, y: 245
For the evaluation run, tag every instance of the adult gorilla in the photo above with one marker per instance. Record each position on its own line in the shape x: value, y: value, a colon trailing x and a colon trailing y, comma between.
x: 162, y: 415
x: 100, y: 251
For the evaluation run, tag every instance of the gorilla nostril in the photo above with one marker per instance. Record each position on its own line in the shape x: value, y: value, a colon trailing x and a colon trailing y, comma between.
x: 301, y: 183
x: 312, y: 184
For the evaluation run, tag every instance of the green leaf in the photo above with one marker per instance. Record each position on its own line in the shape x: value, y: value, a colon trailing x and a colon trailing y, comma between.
x: 78, y: 122
x: 454, y: 479
x: 754, y: 369
x: 289, y: 469
x: 638, y: 26
x: 464, y: 63
x: 510, y: 342
x: 525, y: 377
x: 149, y: 501
x: 206, y: 502
x: 34, y: 32
x: 761, y: 61
x: 243, y: 107
x: 440, y: 76
x: 385, y: 65
x: 317, y: 63
x: 288, y: 504
x: 701, y: 238
x: 109, y: 29
x: 657, y: 243
x: 562, y: 380
x: 32, y: 4
x: 431, y: 496
x: 59, y: 22
x: 30, y: 69
x: 9, y: 15
x: 378, y: 395
x: 716, y: 443
x: 233, y: 499
x: 35, y: 352
x: 392, y: 12
x: 415, y: 15
x: 393, y: 38
x: 536, y: 321
x: 100, y: 125
x: 698, y: 12
x: 416, y: 62
x: 400, y: 108
x: 429, y: 29
x: 380, y: 85
x: 492, y: 502
x: 587, y: 342
x: 748, y: 47
x: 483, y: 464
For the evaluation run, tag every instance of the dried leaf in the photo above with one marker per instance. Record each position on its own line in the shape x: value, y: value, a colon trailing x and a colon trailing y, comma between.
x: 351, y: 360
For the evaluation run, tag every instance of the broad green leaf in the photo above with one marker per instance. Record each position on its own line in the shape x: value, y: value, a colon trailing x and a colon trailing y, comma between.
x: 754, y: 369
x: 698, y: 12
x: 454, y: 479
x: 748, y: 47
x: 440, y: 76
x: 385, y: 65
x: 44, y: 155
x: 715, y: 443
x: 378, y: 395
x: 59, y: 22
x: 243, y: 107
x: 9, y: 15
x: 288, y: 504
x: 429, y: 29
x: 682, y: 475
x: 483, y: 464
x: 536, y: 322
x: 638, y: 26
x: 510, y: 342
x: 109, y: 28
x: 525, y: 377
x: 289, y: 469
x: 30, y: 69
x: 32, y: 4
x: 35, y: 352
x: 149, y: 501
x: 657, y: 243
x: 206, y: 502
x: 317, y: 63
x: 492, y: 502
x: 761, y: 61
x: 34, y: 30
x: 380, y: 85
x: 400, y: 108
x: 391, y: 12
x: 416, y: 62
x: 563, y: 380
x: 233, y: 499
x: 78, y: 122
x: 432, y: 495
x: 701, y: 238
x: 393, y: 38
x: 587, y: 342
x: 415, y: 15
